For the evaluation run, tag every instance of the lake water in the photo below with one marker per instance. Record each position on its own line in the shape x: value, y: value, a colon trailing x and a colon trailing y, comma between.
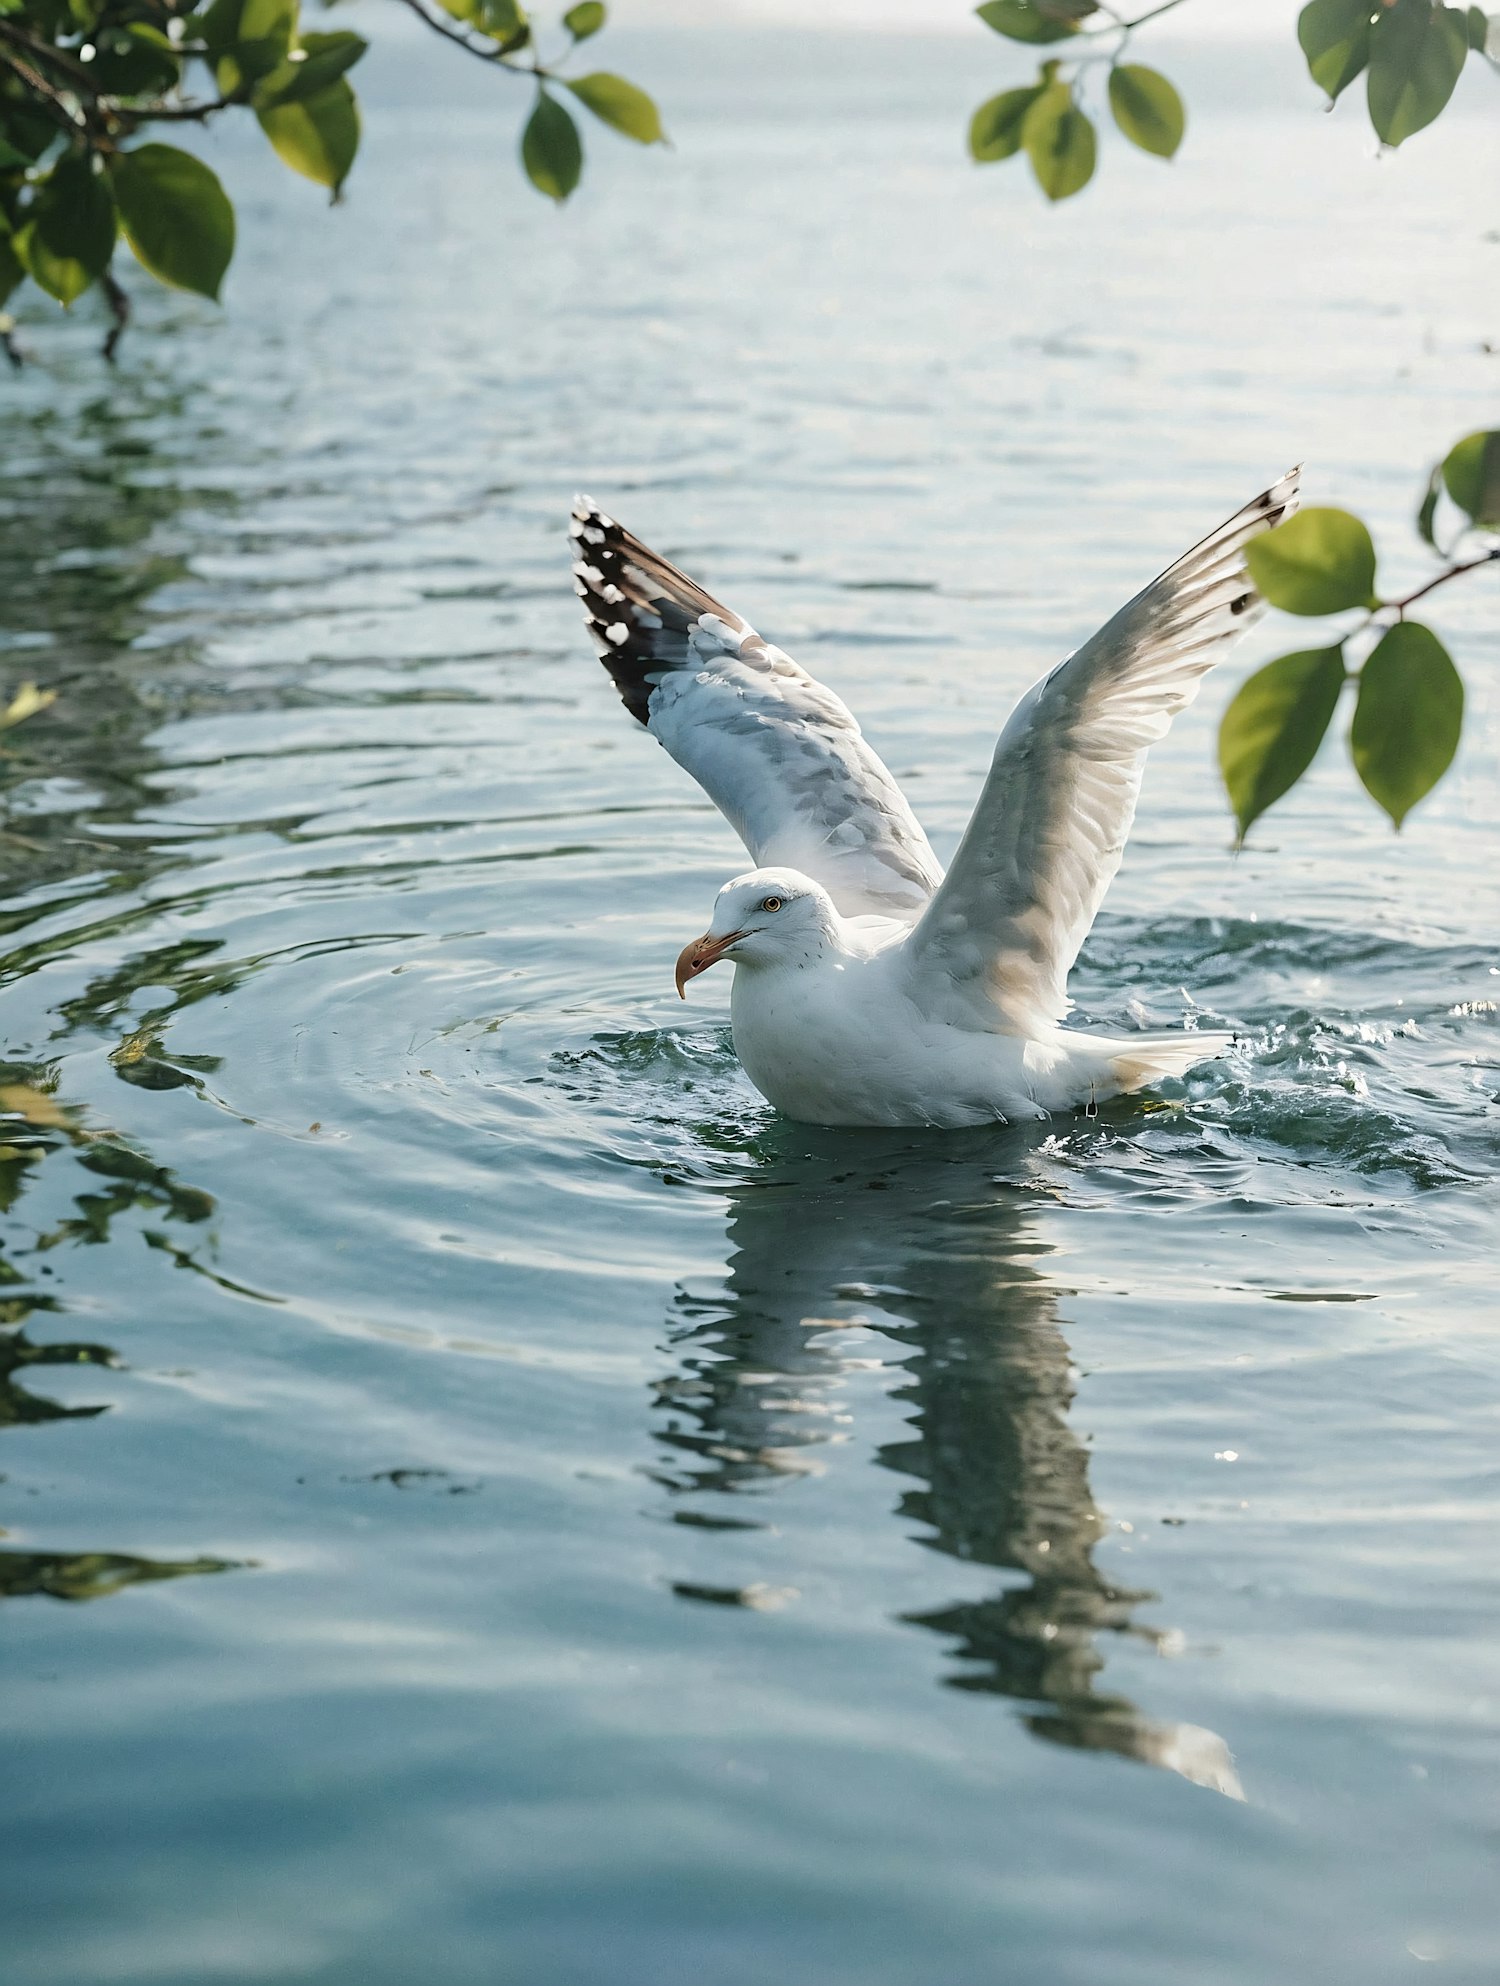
x: 485, y: 1501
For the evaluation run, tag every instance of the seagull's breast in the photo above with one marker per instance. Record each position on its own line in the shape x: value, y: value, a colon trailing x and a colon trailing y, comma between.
x: 836, y: 1040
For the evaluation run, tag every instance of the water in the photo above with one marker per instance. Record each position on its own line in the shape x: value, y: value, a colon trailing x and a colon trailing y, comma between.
x: 485, y: 1501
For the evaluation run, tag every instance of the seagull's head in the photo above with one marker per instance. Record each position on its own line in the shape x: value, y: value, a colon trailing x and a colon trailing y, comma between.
x: 768, y: 917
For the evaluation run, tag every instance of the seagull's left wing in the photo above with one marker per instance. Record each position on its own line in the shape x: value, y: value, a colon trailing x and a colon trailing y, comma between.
x: 780, y: 756
x: 996, y: 944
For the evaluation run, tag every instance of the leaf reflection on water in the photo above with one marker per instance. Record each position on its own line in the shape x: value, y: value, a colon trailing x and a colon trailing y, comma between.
x: 90, y: 1575
x: 36, y: 1126
x: 947, y: 1269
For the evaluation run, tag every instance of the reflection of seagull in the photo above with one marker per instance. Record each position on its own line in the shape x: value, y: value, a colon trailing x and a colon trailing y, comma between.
x: 951, y: 1274
x: 873, y: 989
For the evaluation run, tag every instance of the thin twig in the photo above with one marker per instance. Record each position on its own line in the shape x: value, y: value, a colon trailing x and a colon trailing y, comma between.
x: 490, y: 55
x: 119, y: 305
x: 1117, y: 24
x: 42, y: 51
x: 1141, y: 19
x: 1468, y: 565
x: 47, y: 94
x: 181, y: 113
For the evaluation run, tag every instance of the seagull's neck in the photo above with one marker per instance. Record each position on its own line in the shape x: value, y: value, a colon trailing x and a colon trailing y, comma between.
x: 816, y: 948
x: 836, y: 942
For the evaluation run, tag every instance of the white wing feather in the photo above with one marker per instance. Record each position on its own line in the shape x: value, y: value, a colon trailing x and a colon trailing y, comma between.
x: 778, y: 754
x: 996, y: 944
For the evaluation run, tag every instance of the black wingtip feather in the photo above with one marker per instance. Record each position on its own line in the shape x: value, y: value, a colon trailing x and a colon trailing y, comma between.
x: 640, y: 609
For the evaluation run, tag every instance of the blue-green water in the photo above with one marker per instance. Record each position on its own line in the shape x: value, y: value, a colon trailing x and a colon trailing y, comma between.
x: 484, y: 1500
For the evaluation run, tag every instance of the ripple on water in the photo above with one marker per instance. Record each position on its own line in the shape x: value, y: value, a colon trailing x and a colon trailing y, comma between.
x: 1352, y: 1097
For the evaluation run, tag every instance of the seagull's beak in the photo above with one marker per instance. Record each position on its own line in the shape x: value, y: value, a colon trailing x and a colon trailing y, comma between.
x: 699, y: 956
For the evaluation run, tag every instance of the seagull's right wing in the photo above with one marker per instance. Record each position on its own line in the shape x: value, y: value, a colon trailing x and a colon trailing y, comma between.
x: 780, y: 756
x: 997, y: 942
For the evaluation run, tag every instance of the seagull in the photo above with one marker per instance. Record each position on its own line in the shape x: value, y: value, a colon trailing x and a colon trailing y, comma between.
x: 869, y: 987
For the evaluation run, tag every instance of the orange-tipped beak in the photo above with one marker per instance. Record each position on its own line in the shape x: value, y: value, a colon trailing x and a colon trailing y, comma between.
x: 699, y: 956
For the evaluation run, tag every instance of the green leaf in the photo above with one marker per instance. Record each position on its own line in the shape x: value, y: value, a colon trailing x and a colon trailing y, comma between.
x: 1059, y: 141
x: 1472, y: 474
x: 1417, y: 52
x: 1427, y: 509
x: 318, y: 136
x: 251, y: 38
x: 268, y: 21
x: 219, y: 26
x: 1408, y: 718
x: 177, y: 217
x: 135, y: 61
x: 30, y: 133
x: 500, y: 18
x: 1036, y: 20
x: 1147, y: 109
x: 1335, y: 38
x: 550, y: 148
x: 11, y: 156
x: 59, y: 276
x: 995, y: 128
x: 310, y: 69
x: 620, y: 104
x: 1318, y: 562
x: 504, y: 20
x: 585, y: 19
x: 71, y: 235
x: 1479, y: 29
x: 1274, y: 726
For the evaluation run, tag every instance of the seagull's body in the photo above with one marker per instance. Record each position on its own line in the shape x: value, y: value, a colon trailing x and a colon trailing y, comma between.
x: 869, y: 987
x: 834, y: 1027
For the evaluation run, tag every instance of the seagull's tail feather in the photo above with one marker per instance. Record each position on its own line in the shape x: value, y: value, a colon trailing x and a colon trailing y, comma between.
x: 642, y: 612
x: 1137, y: 1061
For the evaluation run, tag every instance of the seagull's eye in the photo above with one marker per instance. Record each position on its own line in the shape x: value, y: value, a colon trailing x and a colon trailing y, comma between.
x: 770, y: 903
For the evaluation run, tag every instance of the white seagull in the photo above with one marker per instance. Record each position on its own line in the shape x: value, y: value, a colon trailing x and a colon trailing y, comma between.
x: 871, y: 988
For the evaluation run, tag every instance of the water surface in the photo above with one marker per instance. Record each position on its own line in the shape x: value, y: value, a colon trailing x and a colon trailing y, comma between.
x: 484, y: 1499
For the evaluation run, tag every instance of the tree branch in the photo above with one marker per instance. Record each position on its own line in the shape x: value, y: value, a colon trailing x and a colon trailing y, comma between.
x: 1467, y: 565
x: 1141, y: 19
x: 1120, y: 26
x: 461, y: 40
x: 41, y: 51
x: 181, y: 113
x: 119, y: 305
x: 46, y: 94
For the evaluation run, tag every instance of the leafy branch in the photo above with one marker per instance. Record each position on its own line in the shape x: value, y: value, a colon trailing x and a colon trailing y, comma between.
x: 1411, y: 51
x: 551, y: 149
x: 1409, y: 698
x: 81, y: 80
